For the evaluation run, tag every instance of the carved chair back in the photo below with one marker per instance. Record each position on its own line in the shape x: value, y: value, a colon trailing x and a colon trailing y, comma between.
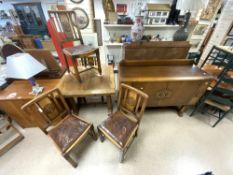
x: 51, y: 106
x: 65, y: 21
x: 10, y: 49
x: 132, y: 102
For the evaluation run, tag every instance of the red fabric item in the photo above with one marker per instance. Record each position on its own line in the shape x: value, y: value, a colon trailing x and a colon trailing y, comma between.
x: 61, y: 36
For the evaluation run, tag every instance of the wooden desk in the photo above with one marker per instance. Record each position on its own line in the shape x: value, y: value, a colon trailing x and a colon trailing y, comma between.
x: 91, y: 85
x: 168, y: 83
x: 16, y: 95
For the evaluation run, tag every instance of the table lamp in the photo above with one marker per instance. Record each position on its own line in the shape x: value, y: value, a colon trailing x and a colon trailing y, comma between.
x: 24, y: 66
x: 188, y: 6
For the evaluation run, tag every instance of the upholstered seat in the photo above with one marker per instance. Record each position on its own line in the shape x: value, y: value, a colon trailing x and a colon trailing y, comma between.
x: 212, y: 69
x: 119, y: 128
x: 68, y: 131
x: 80, y: 50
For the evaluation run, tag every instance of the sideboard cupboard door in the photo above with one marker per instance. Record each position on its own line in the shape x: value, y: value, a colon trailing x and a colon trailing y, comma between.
x: 155, y: 91
x: 177, y: 93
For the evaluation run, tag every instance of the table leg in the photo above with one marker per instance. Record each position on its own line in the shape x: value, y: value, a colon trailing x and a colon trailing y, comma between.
x: 98, y: 61
x: 75, y: 66
x: 109, y: 104
x: 66, y: 62
x: 73, y: 105
x: 181, y: 110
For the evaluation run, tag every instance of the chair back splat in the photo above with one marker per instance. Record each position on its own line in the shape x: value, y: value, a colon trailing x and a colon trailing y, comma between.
x: 10, y: 49
x: 132, y: 101
x: 65, y: 21
x: 51, y: 106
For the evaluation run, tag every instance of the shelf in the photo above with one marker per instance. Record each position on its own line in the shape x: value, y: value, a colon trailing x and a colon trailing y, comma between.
x: 114, y: 44
x: 196, y: 37
x: 146, y: 26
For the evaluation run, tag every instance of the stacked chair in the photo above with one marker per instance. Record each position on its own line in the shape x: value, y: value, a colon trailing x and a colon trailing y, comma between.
x: 64, y: 21
x: 218, y: 100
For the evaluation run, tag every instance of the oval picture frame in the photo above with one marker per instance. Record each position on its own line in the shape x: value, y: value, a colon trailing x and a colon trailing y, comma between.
x: 76, y: 1
x: 82, y: 24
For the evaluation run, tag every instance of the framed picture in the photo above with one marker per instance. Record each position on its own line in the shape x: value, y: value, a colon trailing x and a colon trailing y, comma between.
x: 210, y: 10
x: 200, y: 29
x: 121, y: 8
x: 76, y: 1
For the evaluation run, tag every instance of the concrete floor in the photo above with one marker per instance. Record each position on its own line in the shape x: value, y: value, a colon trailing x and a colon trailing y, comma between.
x: 166, y: 145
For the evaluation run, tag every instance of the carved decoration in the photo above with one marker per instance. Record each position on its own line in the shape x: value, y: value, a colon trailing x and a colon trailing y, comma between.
x: 164, y: 93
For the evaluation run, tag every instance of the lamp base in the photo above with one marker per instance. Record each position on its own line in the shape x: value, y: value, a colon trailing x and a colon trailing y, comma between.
x: 36, y: 89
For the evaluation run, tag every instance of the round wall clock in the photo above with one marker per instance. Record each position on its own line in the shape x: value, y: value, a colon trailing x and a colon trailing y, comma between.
x: 81, y: 18
x: 76, y: 1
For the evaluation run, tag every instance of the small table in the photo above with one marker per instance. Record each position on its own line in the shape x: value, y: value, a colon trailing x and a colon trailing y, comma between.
x: 91, y: 85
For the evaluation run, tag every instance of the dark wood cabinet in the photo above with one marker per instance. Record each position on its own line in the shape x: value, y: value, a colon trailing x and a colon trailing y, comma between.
x: 31, y: 18
x: 168, y: 83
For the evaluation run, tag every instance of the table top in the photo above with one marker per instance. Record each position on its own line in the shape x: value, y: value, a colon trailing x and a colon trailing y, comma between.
x: 92, y: 84
x: 162, y: 73
x: 20, y: 89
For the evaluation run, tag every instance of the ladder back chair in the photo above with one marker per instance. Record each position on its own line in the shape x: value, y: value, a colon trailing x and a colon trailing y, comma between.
x: 121, y: 127
x: 217, y: 61
x: 66, y: 129
x: 65, y: 22
x: 218, y: 102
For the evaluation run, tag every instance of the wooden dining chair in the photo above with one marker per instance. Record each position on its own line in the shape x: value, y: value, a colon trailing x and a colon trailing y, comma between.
x: 121, y: 127
x: 68, y: 129
x: 65, y: 21
x: 10, y: 49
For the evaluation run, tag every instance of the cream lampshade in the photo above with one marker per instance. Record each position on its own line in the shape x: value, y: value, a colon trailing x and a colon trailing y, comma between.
x: 24, y: 66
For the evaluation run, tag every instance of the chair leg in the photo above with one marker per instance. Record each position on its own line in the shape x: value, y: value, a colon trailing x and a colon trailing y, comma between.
x: 136, y: 133
x: 196, y: 109
x: 70, y: 160
x: 75, y: 66
x: 123, y: 155
x: 220, y: 118
x: 98, y: 61
x: 101, y: 135
x: 92, y: 133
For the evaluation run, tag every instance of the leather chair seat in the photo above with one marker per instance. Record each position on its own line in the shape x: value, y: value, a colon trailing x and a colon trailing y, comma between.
x: 212, y: 69
x: 118, y: 127
x: 80, y: 50
x: 68, y: 131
